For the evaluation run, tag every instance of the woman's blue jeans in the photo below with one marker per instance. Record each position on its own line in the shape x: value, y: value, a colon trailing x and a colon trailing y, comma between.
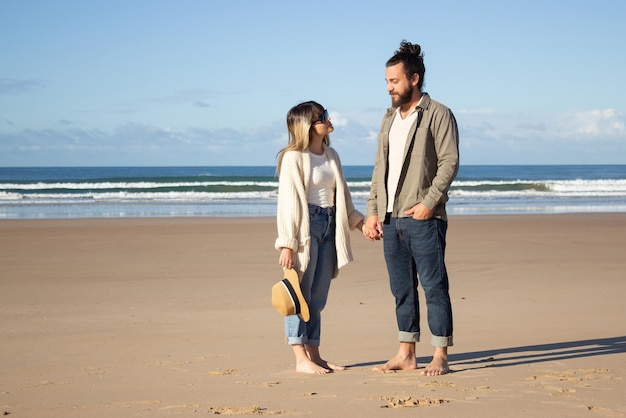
x: 414, y: 253
x: 315, y: 282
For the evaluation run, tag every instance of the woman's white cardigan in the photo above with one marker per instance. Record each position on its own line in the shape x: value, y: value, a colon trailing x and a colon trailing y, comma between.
x: 293, y: 211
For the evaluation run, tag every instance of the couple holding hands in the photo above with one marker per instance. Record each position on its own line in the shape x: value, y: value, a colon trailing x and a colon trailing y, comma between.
x: 417, y: 159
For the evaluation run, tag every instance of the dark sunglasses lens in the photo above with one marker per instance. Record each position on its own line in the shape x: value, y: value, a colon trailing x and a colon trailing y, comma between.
x: 324, y: 116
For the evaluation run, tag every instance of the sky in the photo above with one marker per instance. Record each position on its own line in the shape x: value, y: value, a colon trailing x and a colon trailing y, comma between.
x: 208, y: 82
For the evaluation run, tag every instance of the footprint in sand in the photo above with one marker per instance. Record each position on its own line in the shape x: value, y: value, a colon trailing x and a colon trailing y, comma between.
x: 251, y: 410
x: 440, y: 384
x: 218, y: 372
x: 409, y: 402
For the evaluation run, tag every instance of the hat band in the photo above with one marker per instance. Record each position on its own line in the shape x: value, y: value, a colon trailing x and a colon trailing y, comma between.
x: 292, y: 294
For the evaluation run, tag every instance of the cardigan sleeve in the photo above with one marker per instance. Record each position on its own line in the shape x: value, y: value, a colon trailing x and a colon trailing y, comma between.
x: 289, y: 212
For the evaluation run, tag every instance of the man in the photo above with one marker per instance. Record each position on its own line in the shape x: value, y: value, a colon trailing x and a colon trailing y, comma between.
x: 416, y: 161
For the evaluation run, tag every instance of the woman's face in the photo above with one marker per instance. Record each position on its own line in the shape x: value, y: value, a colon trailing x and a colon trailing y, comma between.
x: 322, y: 124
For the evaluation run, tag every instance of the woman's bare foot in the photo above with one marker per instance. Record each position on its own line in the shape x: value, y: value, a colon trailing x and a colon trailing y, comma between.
x: 404, y: 360
x: 307, y: 366
x: 328, y: 365
x: 439, y: 365
x: 314, y: 354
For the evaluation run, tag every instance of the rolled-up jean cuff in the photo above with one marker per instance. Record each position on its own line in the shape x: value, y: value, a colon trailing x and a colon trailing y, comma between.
x: 296, y: 341
x: 408, y: 337
x: 302, y: 341
x: 441, y: 341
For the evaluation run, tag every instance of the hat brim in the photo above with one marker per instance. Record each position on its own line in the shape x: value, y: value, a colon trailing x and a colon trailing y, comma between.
x: 292, y: 276
x: 287, y: 296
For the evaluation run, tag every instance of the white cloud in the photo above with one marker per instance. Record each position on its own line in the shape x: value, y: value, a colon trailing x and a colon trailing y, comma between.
x: 138, y: 144
x: 602, y: 123
x: 337, y: 119
x: 605, y: 124
x: 595, y: 136
x: 486, y: 137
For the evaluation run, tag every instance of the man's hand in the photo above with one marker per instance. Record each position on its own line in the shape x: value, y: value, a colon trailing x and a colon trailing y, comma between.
x: 373, y: 228
x: 419, y: 212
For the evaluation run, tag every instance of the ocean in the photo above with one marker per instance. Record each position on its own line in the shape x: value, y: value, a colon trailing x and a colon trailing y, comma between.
x: 131, y: 192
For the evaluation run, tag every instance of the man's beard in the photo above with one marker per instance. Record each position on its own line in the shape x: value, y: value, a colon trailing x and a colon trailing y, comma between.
x: 402, y: 98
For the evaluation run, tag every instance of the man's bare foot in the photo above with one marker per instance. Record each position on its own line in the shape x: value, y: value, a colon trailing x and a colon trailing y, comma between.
x: 404, y: 360
x: 435, y: 370
x: 399, y: 362
x: 439, y: 365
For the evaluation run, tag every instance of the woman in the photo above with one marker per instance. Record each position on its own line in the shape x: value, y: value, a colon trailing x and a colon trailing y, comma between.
x: 314, y: 215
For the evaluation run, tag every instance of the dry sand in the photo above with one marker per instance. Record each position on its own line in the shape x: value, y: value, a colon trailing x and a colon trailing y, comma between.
x: 172, y: 317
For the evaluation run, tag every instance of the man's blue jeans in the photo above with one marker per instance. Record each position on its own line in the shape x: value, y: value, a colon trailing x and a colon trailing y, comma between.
x: 414, y: 253
x: 315, y: 282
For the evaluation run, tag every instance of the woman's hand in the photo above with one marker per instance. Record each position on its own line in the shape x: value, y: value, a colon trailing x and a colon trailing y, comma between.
x: 286, y: 258
x: 372, y: 229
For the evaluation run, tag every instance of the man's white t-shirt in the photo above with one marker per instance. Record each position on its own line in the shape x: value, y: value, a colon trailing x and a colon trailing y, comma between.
x: 398, y: 136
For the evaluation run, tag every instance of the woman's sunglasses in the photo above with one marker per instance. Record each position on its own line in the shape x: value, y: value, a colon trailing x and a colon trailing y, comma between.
x: 322, y: 119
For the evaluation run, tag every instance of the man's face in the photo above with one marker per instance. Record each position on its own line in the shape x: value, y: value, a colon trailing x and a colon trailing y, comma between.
x: 400, y: 88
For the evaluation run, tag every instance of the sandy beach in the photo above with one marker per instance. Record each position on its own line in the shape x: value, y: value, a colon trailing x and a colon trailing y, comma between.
x: 172, y: 317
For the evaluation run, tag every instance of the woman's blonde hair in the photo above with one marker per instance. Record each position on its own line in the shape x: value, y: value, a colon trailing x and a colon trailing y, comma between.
x: 300, y: 119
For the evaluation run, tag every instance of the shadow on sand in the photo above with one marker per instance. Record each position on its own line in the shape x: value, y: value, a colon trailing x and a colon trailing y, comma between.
x: 528, y: 354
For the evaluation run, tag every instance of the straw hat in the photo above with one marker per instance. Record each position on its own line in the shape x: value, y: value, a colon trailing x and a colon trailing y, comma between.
x: 287, y: 297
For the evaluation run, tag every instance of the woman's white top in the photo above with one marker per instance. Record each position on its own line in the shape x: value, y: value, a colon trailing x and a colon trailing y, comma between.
x: 321, y: 190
